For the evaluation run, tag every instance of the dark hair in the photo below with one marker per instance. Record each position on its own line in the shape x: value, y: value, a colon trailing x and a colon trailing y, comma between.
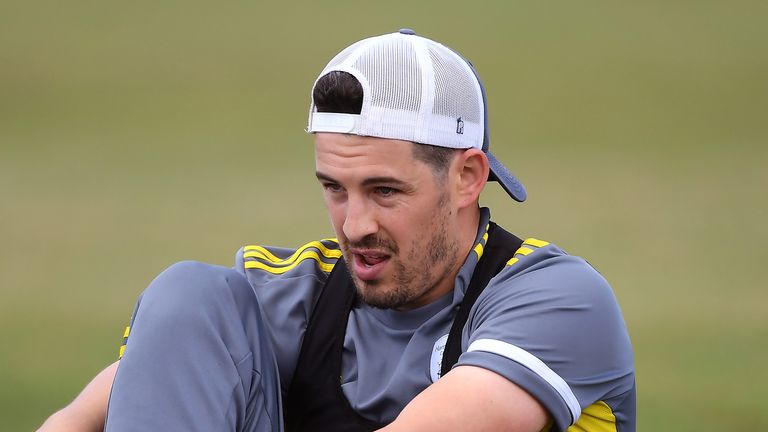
x: 340, y: 92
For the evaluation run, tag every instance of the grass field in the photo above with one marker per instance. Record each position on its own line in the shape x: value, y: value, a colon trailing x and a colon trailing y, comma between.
x: 133, y: 135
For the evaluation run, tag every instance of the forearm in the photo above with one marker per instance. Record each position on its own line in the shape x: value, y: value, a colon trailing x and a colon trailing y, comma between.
x: 471, y: 399
x: 87, y: 412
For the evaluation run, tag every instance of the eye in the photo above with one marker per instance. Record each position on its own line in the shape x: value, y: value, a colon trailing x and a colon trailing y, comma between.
x: 333, y: 187
x: 385, y: 191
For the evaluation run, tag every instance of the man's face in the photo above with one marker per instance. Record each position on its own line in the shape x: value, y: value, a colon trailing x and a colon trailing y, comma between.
x: 394, y: 223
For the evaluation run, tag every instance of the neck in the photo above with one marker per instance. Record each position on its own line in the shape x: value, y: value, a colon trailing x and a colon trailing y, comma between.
x: 467, y: 221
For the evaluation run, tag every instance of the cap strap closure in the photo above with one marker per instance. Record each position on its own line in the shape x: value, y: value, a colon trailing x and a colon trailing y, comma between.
x: 334, y: 122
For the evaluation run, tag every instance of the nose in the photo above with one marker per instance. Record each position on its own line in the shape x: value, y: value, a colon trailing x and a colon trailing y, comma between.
x: 359, y: 220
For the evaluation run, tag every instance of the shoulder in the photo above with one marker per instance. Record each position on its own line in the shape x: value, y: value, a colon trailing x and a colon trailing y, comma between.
x: 287, y: 283
x: 550, y: 322
x: 315, y: 258
x: 541, y: 282
x: 541, y: 271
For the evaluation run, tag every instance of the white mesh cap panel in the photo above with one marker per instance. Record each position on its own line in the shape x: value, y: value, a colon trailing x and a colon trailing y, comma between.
x: 456, y: 90
x: 458, y: 105
x: 394, y: 96
x: 394, y: 75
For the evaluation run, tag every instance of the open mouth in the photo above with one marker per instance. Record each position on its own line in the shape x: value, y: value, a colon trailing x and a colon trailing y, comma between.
x: 368, y: 265
x: 371, y: 260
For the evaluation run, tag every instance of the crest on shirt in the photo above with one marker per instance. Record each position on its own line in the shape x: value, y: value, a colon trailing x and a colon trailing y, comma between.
x: 436, y: 360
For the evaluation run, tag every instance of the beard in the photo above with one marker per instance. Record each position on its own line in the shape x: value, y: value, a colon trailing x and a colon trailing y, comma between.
x: 431, y: 257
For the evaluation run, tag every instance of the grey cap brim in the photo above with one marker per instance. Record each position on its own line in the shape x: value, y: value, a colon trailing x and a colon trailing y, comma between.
x: 509, y: 182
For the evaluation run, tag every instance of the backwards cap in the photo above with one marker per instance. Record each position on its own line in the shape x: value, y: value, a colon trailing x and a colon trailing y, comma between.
x: 415, y: 89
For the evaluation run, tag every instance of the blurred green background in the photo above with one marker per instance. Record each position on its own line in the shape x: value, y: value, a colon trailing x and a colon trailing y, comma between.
x: 136, y: 134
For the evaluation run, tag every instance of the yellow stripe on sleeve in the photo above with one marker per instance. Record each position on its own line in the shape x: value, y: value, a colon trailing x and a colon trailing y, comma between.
x: 324, y: 266
x: 126, y: 333
x: 262, y: 253
x: 259, y: 252
x: 524, y: 251
x: 535, y: 242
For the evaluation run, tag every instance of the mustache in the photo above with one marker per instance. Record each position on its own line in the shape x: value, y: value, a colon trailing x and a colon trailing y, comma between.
x: 374, y: 242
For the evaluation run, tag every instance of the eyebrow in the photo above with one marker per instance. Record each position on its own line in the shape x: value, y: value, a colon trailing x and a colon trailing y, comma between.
x: 324, y: 177
x: 367, y: 182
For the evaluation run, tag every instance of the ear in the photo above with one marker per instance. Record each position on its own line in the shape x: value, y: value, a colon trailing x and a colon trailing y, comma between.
x: 471, y: 167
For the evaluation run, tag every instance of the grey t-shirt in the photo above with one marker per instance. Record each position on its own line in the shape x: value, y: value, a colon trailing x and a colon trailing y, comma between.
x: 548, y: 322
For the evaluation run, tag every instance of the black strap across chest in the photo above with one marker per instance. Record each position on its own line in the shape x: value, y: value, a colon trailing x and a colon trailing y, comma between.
x: 315, y: 400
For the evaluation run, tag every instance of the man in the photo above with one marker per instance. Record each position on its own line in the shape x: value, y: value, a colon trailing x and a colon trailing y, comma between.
x: 435, y: 318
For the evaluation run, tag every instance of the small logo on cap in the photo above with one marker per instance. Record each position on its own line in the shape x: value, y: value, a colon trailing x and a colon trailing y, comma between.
x: 460, y: 126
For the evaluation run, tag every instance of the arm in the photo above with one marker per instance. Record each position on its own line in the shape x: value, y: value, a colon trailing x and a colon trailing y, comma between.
x: 87, y: 412
x: 471, y: 399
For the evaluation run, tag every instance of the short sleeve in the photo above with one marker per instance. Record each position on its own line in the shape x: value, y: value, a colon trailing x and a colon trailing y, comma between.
x: 550, y: 323
x: 287, y: 283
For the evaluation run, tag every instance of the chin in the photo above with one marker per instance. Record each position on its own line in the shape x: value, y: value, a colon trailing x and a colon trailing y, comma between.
x: 384, y: 300
x: 371, y: 293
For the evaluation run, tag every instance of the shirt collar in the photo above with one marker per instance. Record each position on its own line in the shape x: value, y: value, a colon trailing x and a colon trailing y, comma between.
x: 466, y: 270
